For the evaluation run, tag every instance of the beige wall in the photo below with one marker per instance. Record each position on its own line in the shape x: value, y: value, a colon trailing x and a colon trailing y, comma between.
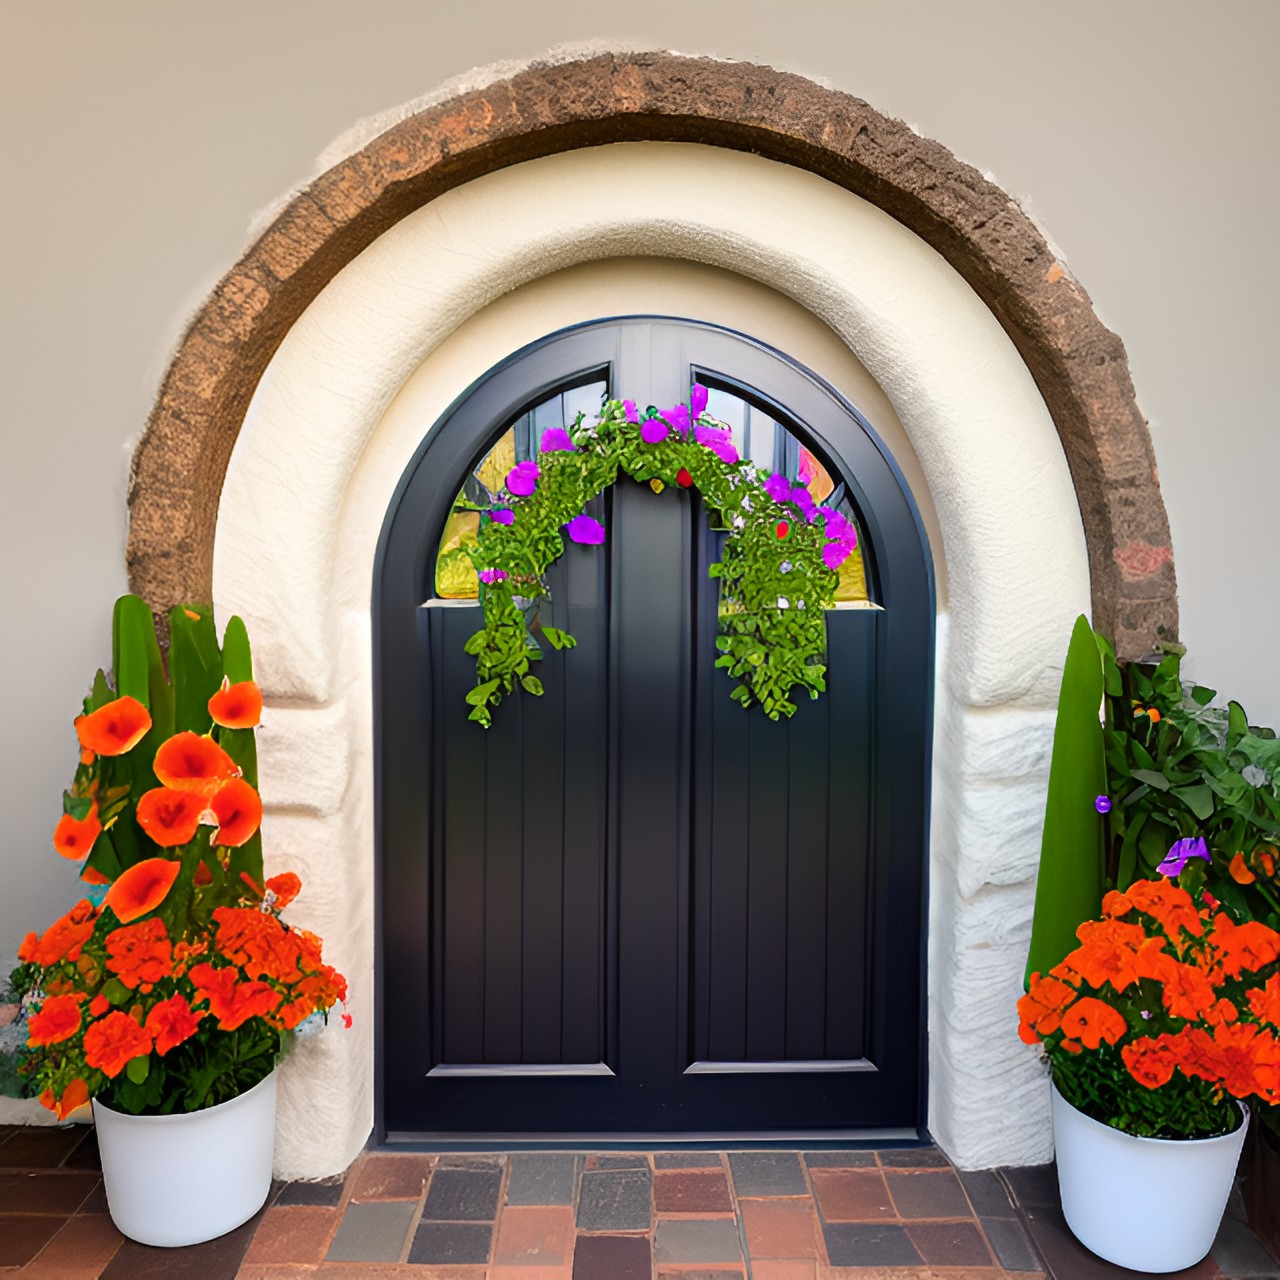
x: 140, y: 137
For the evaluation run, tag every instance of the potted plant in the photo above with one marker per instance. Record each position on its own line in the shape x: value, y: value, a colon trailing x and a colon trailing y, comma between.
x: 1157, y: 1026
x: 168, y: 992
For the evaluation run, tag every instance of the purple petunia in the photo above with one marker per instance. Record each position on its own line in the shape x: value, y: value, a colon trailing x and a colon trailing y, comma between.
x: 629, y: 408
x: 502, y: 515
x: 1181, y: 852
x: 490, y: 576
x: 655, y: 430
x: 778, y: 487
x: 834, y: 554
x: 523, y: 478
x: 1103, y: 804
x: 585, y: 530
x: 837, y: 526
x: 697, y: 399
x: 719, y: 441
x: 557, y: 439
x: 804, y: 500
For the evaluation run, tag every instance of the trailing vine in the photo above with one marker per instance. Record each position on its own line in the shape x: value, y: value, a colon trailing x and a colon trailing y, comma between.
x: 778, y: 573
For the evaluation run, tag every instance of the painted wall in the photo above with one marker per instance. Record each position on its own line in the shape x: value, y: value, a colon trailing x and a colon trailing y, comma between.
x: 141, y: 138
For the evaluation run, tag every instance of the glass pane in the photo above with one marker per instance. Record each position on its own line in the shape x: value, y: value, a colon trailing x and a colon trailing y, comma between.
x: 455, y: 574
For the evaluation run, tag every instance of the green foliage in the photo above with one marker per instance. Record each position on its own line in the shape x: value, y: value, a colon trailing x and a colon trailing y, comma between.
x: 774, y: 589
x: 1070, y: 885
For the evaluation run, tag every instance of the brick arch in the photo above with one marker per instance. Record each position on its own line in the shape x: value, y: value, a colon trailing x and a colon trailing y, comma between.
x: 1079, y: 365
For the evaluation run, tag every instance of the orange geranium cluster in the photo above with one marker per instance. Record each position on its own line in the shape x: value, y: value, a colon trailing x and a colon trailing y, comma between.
x: 1175, y: 986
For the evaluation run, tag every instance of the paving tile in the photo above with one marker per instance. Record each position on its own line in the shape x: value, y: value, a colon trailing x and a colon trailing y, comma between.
x: 465, y: 1160
x: 784, y: 1269
x: 697, y: 1240
x: 986, y: 1194
x: 51, y: 1191
x: 702, y: 1273
x: 455, y: 1242
x: 779, y: 1228
x: 928, y: 1194
x: 95, y: 1201
x: 1238, y: 1252
x: 380, y: 1177
x: 615, y: 1200
x: 23, y: 1235
x: 1033, y: 1185
x: 538, y: 1178
x: 293, y: 1233
x: 315, y: 1193
x: 914, y: 1158
x: 950, y: 1244
x: 768, y: 1173
x: 599, y: 1161
x: 86, y: 1243
x: 86, y: 1154
x: 851, y: 1195
x: 41, y: 1146
x: 870, y: 1244
x: 373, y: 1232
x: 839, y: 1159
x: 687, y: 1160
x: 1012, y: 1245
x: 405, y: 1271
x: 612, y: 1258
x: 535, y: 1236
x: 463, y: 1195
x: 691, y: 1191
x: 218, y: 1259
x: 276, y: 1271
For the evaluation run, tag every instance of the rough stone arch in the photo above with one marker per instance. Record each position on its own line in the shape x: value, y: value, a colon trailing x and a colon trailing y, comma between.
x: 1079, y: 365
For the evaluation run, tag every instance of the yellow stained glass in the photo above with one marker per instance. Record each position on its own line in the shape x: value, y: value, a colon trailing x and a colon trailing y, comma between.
x: 455, y: 574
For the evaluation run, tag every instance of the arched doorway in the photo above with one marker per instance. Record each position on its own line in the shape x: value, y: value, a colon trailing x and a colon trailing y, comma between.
x: 631, y: 908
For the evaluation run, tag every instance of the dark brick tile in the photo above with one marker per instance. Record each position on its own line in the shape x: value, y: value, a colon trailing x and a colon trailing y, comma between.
x: 691, y: 1191
x: 543, y: 1178
x: 987, y: 1194
x: 463, y: 1195
x: 218, y: 1259
x: 1011, y: 1245
x: 398, y: 1177
x: 677, y: 1272
x: 96, y: 1201
x: 914, y: 1158
x: 615, y: 1200
x: 1033, y: 1185
x: 852, y: 1195
x: 612, y: 1258
x: 373, y: 1232
x: 464, y: 1160
x: 85, y: 1155
x: 687, y: 1160
x: 84, y: 1245
x: 40, y: 1147
x: 950, y: 1244
x: 317, y: 1193
x: 840, y: 1159
x: 697, y: 1240
x: 51, y: 1192
x: 928, y: 1194
x: 23, y: 1235
x: 869, y: 1244
x: 598, y: 1161
x: 456, y: 1242
x: 768, y: 1173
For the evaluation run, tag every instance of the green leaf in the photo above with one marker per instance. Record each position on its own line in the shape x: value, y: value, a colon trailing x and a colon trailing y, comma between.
x: 482, y: 692
x: 531, y: 684
x: 132, y: 631
x: 475, y: 643
x: 1199, y: 799
x: 237, y: 657
x: 1153, y: 778
x: 116, y: 992
x: 137, y: 1069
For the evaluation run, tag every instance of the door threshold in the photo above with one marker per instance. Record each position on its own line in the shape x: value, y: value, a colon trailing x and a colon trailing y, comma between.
x: 808, y: 1140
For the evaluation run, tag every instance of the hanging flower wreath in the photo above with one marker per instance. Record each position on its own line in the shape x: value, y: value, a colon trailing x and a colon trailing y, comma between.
x: 778, y: 575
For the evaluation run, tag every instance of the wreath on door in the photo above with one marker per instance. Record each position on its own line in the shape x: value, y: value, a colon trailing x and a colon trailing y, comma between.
x: 778, y: 572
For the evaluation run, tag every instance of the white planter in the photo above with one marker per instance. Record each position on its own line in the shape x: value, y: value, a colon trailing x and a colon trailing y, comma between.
x: 181, y: 1179
x: 1151, y: 1204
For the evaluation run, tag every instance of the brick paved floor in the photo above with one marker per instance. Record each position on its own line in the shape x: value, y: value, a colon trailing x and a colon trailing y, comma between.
x: 739, y: 1215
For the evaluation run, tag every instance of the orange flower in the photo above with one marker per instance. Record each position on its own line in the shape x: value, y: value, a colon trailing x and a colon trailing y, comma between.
x: 62, y: 940
x: 91, y: 875
x: 1247, y: 1054
x: 73, y: 838
x: 74, y: 1096
x: 1245, y: 946
x: 114, y: 1041
x: 115, y: 728
x: 232, y: 1003
x: 1187, y: 992
x: 140, y: 954
x: 171, y: 1022
x: 1266, y: 855
x: 1265, y: 1001
x: 1091, y: 1022
x: 1108, y: 953
x: 58, y: 1019
x: 1115, y: 904
x: 1168, y: 904
x: 258, y: 943
x: 170, y: 817
x: 1040, y: 1010
x: 1150, y: 1062
x: 190, y: 762
x: 239, y: 813
x: 1239, y: 872
x: 237, y: 706
x: 286, y: 887
x: 141, y: 888
x: 98, y: 1006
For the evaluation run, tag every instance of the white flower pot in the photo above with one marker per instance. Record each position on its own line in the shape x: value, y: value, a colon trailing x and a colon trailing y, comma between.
x: 181, y: 1179
x: 1151, y: 1204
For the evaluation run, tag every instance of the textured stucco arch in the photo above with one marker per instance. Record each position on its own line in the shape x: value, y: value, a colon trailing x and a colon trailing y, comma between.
x: 1079, y: 365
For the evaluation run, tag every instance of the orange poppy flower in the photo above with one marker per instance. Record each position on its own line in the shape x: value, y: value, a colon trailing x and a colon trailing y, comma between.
x: 238, y: 809
x: 73, y: 838
x: 140, y: 954
x: 114, y: 1041
x: 171, y: 1022
x: 1040, y: 1010
x: 91, y: 875
x: 170, y: 817
x: 191, y: 762
x: 74, y: 1096
x: 63, y: 939
x: 115, y: 728
x: 58, y: 1019
x: 237, y: 706
x: 141, y: 888
x: 286, y: 887
x: 1246, y: 946
x: 1092, y: 1021
x: 1150, y: 1062
x: 1239, y: 872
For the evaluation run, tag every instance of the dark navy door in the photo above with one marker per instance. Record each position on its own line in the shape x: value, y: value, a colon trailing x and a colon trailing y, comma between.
x: 631, y: 907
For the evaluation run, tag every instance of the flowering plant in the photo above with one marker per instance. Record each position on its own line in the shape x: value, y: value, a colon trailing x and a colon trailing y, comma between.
x: 779, y: 570
x: 1166, y: 1010
x: 171, y: 985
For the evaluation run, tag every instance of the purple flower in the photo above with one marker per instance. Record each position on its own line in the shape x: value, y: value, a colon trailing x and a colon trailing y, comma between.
x: 523, y: 478
x: 804, y: 500
x: 834, y: 554
x: 629, y: 408
x: 502, y: 515
x: 491, y: 576
x: 654, y: 430
x: 698, y: 399
x: 1103, y: 804
x: 557, y: 439
x: 778, y: 487
x: 585, y: 530
x: 1180, y: 853
x: 719, y: 441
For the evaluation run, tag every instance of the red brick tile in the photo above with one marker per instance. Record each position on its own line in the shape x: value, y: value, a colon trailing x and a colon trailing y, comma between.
x: 779, y: 1228
x: 691, y: 1191
x: 402, y: 1271
x: 928, y: 1194
x: 851, y: 1195
x: 950, y: 1244
x: 292, y: 1234
x: 87, y: 1243
x: 277, y: 1271
x: 50, y: 1191
x: 23, y: 1235
x: 391, y: 1177
x: 671, y: 1271
x: 789, y: 1269
x: 530, y: 1236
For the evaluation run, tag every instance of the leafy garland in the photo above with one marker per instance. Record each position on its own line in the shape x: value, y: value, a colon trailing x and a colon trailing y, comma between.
x: 779, y: 572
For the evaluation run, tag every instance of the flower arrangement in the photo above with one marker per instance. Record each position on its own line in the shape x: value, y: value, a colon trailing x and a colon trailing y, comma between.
x: 172, y: 985
x: 779, y: 570
x: 1166, y: 1010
